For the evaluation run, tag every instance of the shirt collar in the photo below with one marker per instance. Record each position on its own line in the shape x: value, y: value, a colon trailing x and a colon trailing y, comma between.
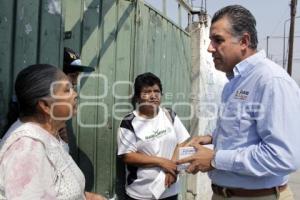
x: 243, y: 67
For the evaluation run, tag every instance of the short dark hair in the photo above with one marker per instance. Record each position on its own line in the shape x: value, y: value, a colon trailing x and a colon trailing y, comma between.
x: 241, y: 21
x: 144, y: 80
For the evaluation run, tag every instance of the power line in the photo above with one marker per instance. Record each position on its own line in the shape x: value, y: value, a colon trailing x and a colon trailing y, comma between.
x: 281, y: 37
x: 278, y: 21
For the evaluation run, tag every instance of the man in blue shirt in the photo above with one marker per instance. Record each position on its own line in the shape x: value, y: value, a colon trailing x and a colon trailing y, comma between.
x: 256, y: 143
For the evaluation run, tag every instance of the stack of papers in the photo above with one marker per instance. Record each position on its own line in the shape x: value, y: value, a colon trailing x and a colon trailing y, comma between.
x: 183, y: 153
x: 186, y: 152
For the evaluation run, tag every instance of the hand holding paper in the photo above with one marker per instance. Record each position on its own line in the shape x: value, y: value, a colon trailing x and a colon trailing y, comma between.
x: 185, y: 152
x: 200, y: 160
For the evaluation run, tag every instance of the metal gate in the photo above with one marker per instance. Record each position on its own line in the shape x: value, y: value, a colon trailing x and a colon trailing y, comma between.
x: 120, y: 39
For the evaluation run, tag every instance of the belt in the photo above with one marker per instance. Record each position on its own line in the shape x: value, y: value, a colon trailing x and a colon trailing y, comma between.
x: 239, y: 192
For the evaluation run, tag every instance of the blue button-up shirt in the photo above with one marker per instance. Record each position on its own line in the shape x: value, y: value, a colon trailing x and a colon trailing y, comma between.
x: 258, y: 128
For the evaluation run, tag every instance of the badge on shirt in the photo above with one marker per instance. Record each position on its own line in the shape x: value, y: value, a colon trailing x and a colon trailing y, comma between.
x: 241, y: 94
x: 155, y: 134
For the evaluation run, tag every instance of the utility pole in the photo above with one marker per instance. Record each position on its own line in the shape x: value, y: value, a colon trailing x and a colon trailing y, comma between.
x: 284, y: 50
x: 268, y: 46
x: 291, y: 37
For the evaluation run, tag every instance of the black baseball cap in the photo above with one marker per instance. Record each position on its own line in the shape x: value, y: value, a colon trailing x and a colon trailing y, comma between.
x: 72, y: 62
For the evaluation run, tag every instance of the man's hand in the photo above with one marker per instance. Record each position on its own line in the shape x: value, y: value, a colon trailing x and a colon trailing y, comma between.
x: 93, y: 196
x: 200, y: 161
x: 170, y: 179
x: 196, y: 140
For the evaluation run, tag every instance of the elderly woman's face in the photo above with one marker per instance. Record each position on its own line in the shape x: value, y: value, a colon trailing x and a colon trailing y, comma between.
x: 65, y: 104
x: 150, y: 95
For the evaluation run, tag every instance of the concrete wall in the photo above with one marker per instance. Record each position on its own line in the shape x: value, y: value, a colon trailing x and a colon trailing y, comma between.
x: 207, y: 84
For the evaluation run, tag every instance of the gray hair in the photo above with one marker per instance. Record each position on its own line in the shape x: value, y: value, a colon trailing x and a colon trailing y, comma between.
x: 241, y: 21
x: 33, y: 83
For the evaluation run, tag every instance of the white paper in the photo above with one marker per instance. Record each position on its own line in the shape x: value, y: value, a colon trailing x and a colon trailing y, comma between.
x: 186, y: 152
x: 158, y: 187
x: 183, y: 153
x: 209, y: 146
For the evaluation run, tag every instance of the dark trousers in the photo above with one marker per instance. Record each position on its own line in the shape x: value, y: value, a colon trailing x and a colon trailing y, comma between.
x: 168, y: 198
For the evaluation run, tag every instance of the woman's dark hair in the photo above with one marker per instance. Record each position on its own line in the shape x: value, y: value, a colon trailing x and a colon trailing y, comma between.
x: 32, y: 84
x: 144, y: 80
x: 241, y: 21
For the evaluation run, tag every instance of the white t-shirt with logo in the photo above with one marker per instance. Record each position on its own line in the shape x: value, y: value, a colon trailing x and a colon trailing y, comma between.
x: 154, y: 137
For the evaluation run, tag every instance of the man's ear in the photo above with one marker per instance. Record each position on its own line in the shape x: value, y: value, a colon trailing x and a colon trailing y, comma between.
x: 44, y: 107
x: 245, y: 41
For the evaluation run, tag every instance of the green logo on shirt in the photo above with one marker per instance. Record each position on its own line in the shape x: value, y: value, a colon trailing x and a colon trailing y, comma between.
x: 156, y: 134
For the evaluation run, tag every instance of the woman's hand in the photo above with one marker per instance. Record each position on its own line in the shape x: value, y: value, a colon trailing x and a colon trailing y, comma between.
x: 170, y: 179
x: 168, y: 166
x: 93, y: 196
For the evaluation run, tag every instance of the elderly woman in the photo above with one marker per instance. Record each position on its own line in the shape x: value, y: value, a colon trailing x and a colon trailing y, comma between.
x: 147, y: 142
x: 33, y: 163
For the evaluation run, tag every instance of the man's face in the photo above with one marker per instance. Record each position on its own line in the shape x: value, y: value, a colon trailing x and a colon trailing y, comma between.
x: 73, y: 77
x: 226, y: 49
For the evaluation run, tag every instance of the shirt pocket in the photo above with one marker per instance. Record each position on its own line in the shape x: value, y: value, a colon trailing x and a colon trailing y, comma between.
x: 248, y: 118
x: 230, y: 115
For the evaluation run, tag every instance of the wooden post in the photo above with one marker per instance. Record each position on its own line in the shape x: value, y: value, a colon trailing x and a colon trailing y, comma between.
x: 291, y: 37
x: 268, y: 46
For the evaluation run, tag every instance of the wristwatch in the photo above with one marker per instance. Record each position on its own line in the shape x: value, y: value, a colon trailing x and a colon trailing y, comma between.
x: 213, y: 161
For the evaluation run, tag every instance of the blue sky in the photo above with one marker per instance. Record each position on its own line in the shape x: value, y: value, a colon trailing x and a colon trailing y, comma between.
x: 270, y: 16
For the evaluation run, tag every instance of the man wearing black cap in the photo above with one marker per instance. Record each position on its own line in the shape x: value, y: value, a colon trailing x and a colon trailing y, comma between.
x: 72, y: 65
x: 72, y: 68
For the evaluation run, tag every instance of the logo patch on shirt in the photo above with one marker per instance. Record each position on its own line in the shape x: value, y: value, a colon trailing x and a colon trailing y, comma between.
x: 241, y: 94
x: 156, y: 134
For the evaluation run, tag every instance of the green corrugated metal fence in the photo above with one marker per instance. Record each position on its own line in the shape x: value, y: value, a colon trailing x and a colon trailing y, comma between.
x: 29, y: 33
x: 120, y: 39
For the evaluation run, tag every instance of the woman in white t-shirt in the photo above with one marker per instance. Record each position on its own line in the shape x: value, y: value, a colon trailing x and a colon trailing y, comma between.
x: 33, y: 162
x: 147, y: 141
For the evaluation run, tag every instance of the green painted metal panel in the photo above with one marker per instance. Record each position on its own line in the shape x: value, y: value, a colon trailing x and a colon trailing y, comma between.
x: 122, y: 87
x: 120, y: 39
x: 50, y: 47
x: 94, y: 33
x: 6, y: 56
x: 26, y: 34
x: 141, y: 44
x: 29, y: 34
x: 151, y: 29
x: 107, y: 66
x: 88, y: 113
x: 164, y: 49
x: 73, y: 12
